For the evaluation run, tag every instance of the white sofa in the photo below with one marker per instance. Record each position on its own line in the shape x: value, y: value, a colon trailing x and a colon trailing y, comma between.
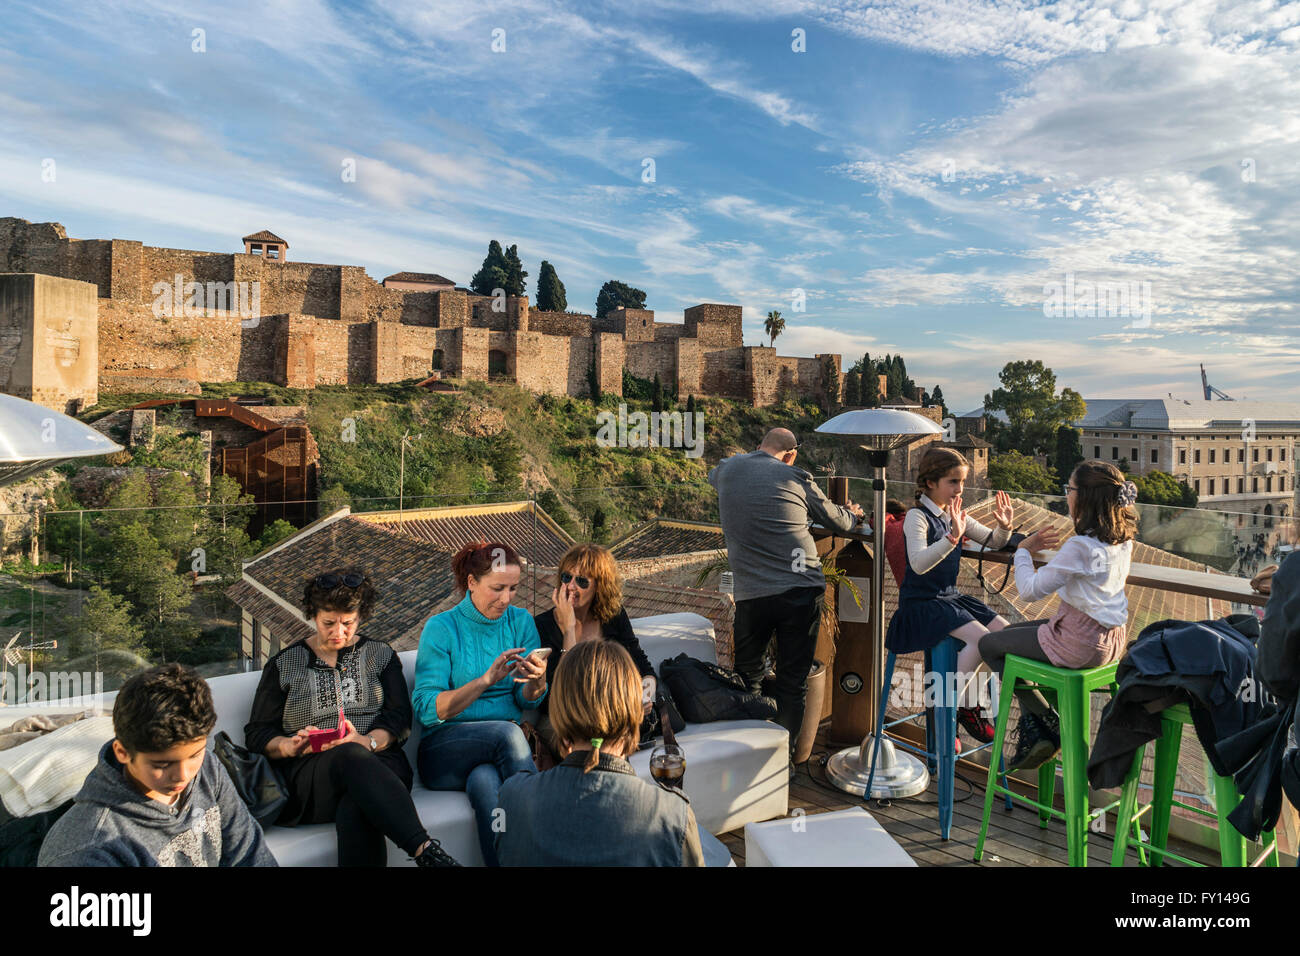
x: 736, y: 771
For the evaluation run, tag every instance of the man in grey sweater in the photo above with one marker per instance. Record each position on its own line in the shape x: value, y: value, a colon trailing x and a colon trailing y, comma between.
x: 766, y: 505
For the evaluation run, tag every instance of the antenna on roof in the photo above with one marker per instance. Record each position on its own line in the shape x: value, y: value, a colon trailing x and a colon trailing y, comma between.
x: 1207, y: 388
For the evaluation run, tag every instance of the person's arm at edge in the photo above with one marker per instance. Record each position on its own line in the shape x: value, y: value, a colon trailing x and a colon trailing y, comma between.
x: 1070, y: 561
x: 622, y: 632
x: 923, y: 558
x: 396, y: 716
x: 266, y: 722
x: 826, y: 512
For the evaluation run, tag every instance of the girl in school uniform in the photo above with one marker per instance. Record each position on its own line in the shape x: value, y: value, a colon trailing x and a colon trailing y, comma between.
x: 1089, y: 628
x: 930, y: 607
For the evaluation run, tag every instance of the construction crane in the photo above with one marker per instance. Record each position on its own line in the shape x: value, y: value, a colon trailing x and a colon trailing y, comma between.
x: 1211, y: 392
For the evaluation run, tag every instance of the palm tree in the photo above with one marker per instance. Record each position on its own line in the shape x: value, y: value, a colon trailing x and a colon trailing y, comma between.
x: 774, y: 326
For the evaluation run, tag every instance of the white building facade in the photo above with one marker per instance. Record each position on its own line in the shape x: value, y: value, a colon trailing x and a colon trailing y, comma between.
x: 1239, y: 456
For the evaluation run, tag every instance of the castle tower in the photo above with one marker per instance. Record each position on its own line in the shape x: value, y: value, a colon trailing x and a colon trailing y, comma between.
x: 266, y: 243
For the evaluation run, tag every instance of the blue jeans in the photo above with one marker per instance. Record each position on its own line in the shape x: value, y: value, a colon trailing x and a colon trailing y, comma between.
x: 475, y: 756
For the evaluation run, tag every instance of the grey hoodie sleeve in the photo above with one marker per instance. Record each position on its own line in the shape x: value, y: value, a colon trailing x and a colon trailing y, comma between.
x: 242, y: 842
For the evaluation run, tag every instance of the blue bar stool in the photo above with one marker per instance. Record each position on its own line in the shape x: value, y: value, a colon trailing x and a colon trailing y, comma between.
x: 940, y: 729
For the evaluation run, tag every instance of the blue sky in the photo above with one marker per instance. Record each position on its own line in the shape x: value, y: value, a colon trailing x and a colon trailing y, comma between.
x: 923, y: 171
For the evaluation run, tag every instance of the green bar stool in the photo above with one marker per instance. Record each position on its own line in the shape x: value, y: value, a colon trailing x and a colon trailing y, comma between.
x: 1234, y: 849
x: 1073, y: 690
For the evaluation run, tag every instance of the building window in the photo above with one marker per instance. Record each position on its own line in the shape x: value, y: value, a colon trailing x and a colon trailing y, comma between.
x: 1254, y: 454
x: 1281, y: 454
x: 273, y: 252
x: 1270, y: 454
x: 1196, y: 456
x: 1096, y: 451
x: 255, y: 248
x: 1198, y: 486
x: 1254, y: 485
x: 1114, y: 453
x: 1182, y: 456
x: 437, y: 360
x: 1134, y: 457
x: 1268, y: 484
x: 1155, y: 456
x: 1211, y: 486
x: 1211, y: 456
x: 1241, y: 456
x: 1241, y: 485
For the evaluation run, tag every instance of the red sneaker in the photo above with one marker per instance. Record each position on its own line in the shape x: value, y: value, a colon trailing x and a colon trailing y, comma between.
x: 973, y: 721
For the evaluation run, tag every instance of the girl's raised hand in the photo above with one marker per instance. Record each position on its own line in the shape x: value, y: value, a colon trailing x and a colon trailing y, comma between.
x: 1003, y: 512
x: 958, y: 518
x: 1044, y: 539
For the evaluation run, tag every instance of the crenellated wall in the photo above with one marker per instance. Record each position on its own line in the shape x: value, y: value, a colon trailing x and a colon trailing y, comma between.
x: 167, y: 320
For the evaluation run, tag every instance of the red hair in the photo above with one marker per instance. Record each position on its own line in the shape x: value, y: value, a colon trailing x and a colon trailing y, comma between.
x: 480, y: 558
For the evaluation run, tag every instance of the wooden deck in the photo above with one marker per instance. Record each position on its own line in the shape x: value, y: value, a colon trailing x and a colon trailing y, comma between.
x: 1014, y: 839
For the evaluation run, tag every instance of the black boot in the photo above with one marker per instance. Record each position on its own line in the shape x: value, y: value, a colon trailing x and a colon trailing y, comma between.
x: 435, y: 855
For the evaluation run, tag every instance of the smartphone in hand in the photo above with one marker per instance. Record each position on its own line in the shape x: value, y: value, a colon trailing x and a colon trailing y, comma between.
x: 319, y: 738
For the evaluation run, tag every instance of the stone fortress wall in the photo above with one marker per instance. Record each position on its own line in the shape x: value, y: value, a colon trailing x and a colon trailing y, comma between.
x: 317, y: 324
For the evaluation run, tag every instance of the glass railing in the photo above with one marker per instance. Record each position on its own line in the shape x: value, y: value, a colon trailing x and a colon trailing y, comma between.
x: 117, y: 589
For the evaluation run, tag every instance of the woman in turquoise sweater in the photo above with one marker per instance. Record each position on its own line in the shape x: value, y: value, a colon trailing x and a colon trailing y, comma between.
x: 473, y: 678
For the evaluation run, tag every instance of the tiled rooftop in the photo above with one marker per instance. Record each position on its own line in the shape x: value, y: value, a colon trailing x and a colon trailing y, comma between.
x: 522, y: 525
x: 413, y: 576
x: 661, y: 536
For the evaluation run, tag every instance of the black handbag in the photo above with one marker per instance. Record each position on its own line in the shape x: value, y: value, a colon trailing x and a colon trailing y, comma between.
x: 258, y: 783
x: 1010, y: 548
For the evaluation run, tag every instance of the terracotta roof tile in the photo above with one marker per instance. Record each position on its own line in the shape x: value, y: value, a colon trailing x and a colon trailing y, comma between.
x: 535, y: 535
x: 264, y: 236
x: 661, y: 537
x: 413, y: 577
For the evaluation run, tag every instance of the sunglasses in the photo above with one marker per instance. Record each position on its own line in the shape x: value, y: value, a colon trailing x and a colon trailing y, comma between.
x: 328, y: 581
x: 582, y: 582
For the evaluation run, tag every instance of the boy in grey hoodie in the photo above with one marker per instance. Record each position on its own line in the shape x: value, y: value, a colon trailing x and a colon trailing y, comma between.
x: 157, y: 797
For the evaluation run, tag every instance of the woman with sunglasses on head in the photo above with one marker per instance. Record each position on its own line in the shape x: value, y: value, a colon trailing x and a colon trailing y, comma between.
x: 588, y: 605
x: 475, y: 674
x: 361, y: 780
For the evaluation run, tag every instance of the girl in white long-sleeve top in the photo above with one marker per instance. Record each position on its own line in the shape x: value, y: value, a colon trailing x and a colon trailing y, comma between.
x: 1090, y: 628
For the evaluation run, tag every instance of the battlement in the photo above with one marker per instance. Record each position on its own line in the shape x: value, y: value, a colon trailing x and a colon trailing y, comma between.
x: 168, y: 319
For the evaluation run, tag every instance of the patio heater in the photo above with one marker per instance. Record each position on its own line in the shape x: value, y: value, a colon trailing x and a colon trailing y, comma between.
x: 879, y: 431
x: 34, y: 438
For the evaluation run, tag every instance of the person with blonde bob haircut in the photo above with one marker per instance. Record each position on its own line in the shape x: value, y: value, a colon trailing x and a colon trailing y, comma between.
x: 588, y: 606
x: 592, y: 809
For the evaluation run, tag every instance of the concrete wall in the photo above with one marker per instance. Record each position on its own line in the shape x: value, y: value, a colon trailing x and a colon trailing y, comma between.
x: 49, y: 342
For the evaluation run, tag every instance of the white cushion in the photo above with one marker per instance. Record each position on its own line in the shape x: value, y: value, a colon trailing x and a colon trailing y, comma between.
x: 736, y: 770
x: 843, y: 838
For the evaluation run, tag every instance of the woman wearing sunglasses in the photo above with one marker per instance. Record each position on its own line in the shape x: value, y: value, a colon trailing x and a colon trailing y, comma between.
x: 588, y: 605
x: 359, y: 778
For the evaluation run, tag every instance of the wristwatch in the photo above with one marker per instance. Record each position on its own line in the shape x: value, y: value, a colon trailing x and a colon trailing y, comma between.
x: 374, y: 745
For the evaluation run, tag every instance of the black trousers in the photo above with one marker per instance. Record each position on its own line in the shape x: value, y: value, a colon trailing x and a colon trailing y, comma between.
x: 367, y: 796
x: 1021, y: 640
x: 794, y: 617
